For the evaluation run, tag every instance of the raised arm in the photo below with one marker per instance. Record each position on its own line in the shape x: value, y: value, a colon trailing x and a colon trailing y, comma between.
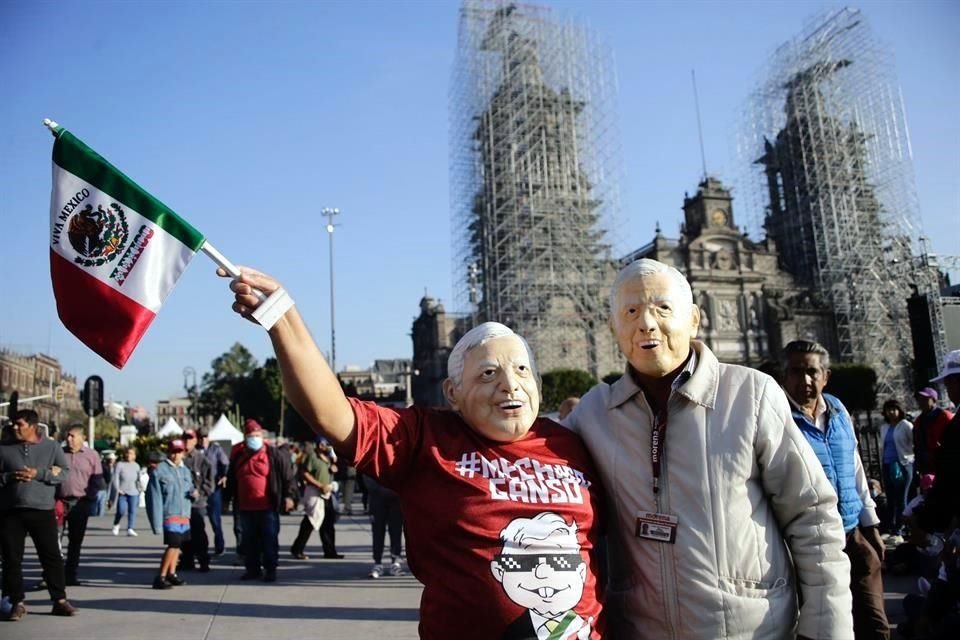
x: 309, y: 384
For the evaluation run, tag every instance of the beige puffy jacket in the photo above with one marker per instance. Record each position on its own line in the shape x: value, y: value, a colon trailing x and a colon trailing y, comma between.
x: 745, y: 486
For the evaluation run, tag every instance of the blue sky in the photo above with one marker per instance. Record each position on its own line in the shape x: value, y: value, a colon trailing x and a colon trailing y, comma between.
x: 249, y: 117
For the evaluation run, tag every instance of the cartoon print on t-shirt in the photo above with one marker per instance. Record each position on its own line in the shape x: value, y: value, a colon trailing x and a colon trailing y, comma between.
x: 540, y: 569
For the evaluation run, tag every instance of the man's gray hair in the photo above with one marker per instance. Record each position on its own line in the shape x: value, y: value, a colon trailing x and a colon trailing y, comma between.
x: 644, y: 268
x: 474, y: 338
x: 807, y: 346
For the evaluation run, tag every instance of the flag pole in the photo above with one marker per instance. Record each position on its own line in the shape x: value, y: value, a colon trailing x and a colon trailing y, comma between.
x: 50, y: 124
x: 226, y: 265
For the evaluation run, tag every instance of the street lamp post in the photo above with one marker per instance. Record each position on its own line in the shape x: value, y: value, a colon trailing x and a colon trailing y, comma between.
x: 191, y: 389
x: 329, y: 213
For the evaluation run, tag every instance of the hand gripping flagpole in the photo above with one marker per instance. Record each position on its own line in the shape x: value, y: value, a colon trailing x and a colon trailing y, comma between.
x: 270, y: 309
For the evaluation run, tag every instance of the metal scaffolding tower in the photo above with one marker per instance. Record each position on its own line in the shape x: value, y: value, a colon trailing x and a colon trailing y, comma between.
x: 534, y: 173
x: 827, y: 127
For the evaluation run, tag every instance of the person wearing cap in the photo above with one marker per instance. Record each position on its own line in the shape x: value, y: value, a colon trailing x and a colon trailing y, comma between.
x: 943, y: 503
x: 463, y: 475
x: 261, y: 480
x: 170, y: 493
x: 196, y: 551
x: 928, y: 430
x: 828, y: 427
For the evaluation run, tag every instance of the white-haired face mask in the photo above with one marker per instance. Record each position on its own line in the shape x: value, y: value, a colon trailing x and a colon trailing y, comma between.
x: 654, y: 324
x: 497, y: 395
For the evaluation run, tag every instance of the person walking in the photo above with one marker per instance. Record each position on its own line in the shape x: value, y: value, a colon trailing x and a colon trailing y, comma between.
x: 260, y: 479
x: 328, y: 529
x: 169, y: 495
x: 79, y: 494
x: 196, y: 550
x: 125, y: 490
x: 220, y: 463
x: 315, y: 473
x: 31, y: 468
x: 385, y: 514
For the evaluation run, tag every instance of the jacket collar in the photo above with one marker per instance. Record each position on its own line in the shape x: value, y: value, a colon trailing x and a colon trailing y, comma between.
x: 701, y: 387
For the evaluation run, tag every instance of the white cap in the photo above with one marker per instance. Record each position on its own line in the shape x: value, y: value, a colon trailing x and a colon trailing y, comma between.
x: 951, y: 366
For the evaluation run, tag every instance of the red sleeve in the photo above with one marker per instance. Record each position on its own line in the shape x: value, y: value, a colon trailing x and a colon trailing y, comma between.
x: 938, y: 427
x: 388, y: 441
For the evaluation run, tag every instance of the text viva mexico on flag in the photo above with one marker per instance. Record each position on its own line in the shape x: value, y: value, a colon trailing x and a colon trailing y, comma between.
x: 116, y: 252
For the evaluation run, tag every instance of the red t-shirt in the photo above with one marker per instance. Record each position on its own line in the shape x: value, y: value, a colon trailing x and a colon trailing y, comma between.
x: 500, y: 534
x: 252, y: 469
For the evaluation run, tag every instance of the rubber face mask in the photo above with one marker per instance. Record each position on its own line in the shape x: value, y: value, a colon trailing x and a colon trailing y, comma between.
x: 254, y: 443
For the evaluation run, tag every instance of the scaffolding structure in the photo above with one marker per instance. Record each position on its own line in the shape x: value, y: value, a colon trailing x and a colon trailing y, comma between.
x: 832, y: 177
x: 534, y: 180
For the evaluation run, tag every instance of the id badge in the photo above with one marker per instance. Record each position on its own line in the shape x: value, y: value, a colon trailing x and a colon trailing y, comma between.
x: 659, y: 527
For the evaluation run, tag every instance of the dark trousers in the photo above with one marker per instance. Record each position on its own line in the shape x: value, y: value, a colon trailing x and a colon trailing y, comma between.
x: 41, y: 526
x: 77, y: 515
x: 196, y: 550
x: 385, y: 509
x: 866, y: 583
x: 260, y: 539
x: 214, y: 511
x: 328, y: 534
x: 303, y: 536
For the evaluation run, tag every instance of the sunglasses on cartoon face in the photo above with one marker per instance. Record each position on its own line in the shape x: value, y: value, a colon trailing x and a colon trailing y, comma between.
x: 529, y: 562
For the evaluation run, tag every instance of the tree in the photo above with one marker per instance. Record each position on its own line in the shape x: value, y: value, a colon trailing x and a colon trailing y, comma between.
x: 560, y: 384
x: 225, y: 385
x: 264, y: 391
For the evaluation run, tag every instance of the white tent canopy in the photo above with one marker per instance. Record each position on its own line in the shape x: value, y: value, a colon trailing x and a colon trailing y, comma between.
x: 171, y: 428
x: 224, y: 430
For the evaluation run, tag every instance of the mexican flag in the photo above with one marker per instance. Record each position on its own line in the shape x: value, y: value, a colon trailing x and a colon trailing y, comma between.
x: 116, y: 252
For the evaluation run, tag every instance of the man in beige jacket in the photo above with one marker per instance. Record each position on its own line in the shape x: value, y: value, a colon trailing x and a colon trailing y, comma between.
x: 723, y: 520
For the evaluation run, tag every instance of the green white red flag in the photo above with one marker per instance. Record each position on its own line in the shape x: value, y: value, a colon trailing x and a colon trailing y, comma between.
x: 116, y: 252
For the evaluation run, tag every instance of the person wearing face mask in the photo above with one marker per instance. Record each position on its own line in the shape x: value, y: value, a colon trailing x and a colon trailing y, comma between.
x: 261, y: 479
x: 466, y: 477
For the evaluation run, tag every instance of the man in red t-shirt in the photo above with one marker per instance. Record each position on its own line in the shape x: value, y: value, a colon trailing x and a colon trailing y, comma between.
x: 501, y: 507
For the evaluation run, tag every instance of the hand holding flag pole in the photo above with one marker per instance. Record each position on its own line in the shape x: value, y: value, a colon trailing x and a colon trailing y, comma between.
x: 112, y: 267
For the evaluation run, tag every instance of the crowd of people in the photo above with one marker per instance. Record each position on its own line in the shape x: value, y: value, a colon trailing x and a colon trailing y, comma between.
x: 690, y: 498
x: 49, y: 490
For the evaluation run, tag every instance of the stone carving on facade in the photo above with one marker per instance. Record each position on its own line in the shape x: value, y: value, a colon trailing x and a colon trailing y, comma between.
x: 728, y: 318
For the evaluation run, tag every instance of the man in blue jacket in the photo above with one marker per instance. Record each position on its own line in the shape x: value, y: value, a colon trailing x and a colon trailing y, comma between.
x: 825, y: 423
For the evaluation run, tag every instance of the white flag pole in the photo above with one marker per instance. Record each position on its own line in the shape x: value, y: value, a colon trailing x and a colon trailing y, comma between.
x: 226, y: 265
x: 270, y: 308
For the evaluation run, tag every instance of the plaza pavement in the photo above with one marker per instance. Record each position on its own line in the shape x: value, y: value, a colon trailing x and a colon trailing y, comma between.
x: 311, y: 598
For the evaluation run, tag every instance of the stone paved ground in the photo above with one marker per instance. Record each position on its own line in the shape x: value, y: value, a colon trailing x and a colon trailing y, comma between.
x: 312, y: 598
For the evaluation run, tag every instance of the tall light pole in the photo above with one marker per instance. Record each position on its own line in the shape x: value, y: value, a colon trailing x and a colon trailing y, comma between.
x: 188, y: 373
x: 329, y: 213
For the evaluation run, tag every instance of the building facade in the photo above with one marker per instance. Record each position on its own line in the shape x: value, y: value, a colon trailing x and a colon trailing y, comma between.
x: 40, y: 375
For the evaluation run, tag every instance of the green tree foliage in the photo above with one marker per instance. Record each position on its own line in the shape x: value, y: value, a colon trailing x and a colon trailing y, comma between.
x: 228, y: 381
x: 263, y: 393
x: 855, y: 385
x: 560, y: 384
